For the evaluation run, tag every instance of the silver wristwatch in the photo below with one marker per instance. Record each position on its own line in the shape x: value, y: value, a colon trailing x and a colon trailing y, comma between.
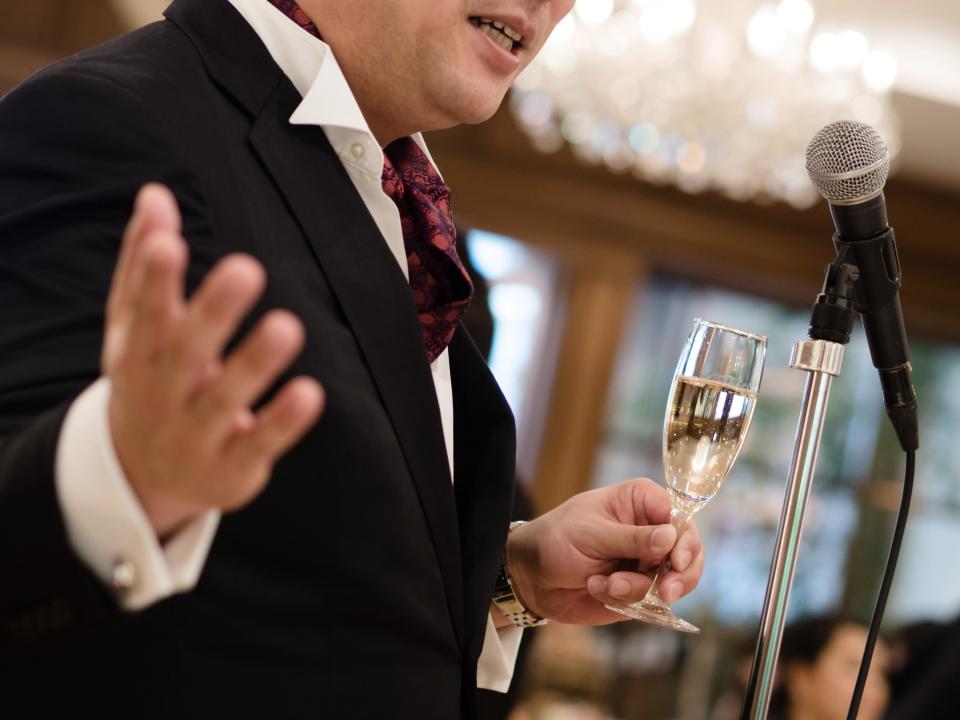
x: 506, y: 599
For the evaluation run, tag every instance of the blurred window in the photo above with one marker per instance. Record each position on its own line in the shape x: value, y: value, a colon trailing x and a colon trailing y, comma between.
x: 523, y: 303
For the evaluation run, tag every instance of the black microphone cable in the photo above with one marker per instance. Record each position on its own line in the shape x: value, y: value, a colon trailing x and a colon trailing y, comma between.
x: 884, y: 585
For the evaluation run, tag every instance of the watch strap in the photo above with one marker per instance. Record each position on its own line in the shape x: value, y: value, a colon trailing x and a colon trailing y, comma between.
x: 505, y: 598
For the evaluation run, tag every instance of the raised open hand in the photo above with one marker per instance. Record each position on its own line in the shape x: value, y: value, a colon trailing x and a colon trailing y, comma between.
x: 180, y: 414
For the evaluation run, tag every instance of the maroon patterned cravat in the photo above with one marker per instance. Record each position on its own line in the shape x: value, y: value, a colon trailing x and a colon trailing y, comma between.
x: 293, y: 11
x: 440, y: 284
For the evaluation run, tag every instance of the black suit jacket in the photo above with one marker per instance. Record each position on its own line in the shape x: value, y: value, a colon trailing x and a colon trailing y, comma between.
x: 357, y: 584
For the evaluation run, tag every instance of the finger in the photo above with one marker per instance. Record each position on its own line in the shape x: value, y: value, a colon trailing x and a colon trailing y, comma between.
x: 154, y: 209
x: 611, y: 541
x: 158, y: 297
x: 279, y: 424
x: 687, y: 548
x: 249, y: 371
x: 641, y: 501
x: 619, y: 588
x: 675, y: 584
x: 224, y: 297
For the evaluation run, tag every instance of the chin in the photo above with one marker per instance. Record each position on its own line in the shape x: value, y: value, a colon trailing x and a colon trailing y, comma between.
x: 458, y: 104
x: 482, y: 107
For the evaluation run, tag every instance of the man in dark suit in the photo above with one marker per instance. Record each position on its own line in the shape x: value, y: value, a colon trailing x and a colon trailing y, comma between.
x: 178, y: 531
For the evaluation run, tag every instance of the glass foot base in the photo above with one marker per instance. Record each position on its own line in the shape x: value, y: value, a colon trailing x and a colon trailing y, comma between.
x: 656, y: 613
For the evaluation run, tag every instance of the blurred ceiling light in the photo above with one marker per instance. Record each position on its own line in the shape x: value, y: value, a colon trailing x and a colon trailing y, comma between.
x: 765, y: 33
x: 825, y: 52
x: 708, y: 95
x: 644, y: 138
x: 691, y: 158
x: 594, y: 12
x: 880, y: 71
x: 853, y: 48
x: 661, y: 20
x: 796, y: 15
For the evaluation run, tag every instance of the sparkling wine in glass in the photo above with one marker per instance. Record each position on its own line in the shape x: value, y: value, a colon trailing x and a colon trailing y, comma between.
x: 712, y: 399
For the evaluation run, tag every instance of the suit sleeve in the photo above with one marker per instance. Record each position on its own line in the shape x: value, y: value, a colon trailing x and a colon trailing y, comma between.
x: 75, y: 147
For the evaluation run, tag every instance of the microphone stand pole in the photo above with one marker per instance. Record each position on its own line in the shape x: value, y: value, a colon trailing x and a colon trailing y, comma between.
x: 821, y: 360
x: 821, y: 357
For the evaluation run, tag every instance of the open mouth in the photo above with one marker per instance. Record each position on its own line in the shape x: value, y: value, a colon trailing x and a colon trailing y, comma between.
x: 501, y: 33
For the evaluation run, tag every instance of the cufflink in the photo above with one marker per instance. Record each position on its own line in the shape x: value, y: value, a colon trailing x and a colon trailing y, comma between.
x: 124, y: 575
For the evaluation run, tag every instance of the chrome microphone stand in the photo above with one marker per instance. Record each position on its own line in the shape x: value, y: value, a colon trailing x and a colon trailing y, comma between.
x: 821, y: 357
x: 821, y: 360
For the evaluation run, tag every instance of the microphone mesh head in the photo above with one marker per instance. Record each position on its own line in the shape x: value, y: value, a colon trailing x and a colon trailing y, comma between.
x: 848, y: 162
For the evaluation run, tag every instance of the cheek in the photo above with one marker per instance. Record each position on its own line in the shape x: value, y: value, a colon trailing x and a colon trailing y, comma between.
x: 834, y: 687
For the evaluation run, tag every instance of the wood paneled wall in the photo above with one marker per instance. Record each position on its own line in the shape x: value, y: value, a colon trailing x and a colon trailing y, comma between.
x: 35, y: 33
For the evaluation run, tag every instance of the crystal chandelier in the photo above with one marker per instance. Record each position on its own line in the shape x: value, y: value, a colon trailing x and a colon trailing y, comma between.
x: 723, y: 95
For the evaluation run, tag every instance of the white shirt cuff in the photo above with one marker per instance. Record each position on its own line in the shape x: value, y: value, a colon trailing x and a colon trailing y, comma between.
x: 498, y: 656
x: 104, y: 520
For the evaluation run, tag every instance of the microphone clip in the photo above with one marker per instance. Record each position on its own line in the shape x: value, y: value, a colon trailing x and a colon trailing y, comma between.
x: 875, y: 296
x: 834, y: 311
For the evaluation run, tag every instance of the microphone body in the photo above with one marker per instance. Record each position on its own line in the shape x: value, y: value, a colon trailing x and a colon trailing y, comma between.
x: 864, y: 237
x: 848, y: 163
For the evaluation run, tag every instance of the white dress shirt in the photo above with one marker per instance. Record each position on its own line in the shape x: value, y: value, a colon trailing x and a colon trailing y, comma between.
x: 105, y: 523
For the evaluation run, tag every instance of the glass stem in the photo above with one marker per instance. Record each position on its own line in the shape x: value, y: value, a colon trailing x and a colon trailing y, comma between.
x: 680, y: 513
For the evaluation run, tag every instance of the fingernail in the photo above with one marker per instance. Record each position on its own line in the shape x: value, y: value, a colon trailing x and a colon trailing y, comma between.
x: 683, y: 560
x: 597, y: 585
x: 662, y: 537
x: 619, y: 588
x: 672, y: 591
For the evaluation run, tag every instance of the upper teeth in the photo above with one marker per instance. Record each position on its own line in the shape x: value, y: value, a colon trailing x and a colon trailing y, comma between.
x: 502, y: 27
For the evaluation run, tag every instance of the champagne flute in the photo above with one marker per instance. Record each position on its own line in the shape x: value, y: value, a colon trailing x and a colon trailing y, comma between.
x: 712, y: 399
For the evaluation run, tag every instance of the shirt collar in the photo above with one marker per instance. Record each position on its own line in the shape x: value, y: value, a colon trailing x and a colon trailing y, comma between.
x: 309, y: 64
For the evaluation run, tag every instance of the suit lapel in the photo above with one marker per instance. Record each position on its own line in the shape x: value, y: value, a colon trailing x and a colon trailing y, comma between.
x: 353, y: 256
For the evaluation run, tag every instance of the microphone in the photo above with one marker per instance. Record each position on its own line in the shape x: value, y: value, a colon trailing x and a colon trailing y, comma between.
x: 848, y: 162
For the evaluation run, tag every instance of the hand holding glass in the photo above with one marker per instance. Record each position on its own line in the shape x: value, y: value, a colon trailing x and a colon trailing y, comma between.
x: 712, y: 400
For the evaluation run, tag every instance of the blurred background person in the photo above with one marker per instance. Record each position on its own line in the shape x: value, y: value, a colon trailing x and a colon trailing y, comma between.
x: 819, y: 661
